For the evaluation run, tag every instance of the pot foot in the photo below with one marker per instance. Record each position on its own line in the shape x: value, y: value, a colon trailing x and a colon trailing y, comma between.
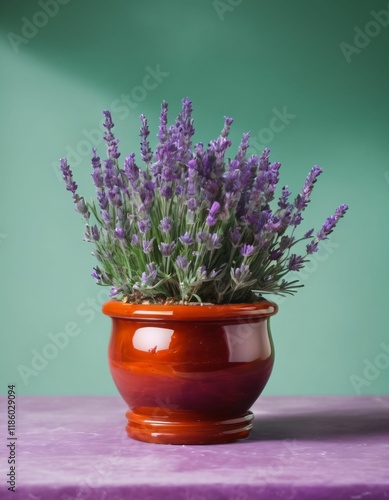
x: 171, y: 426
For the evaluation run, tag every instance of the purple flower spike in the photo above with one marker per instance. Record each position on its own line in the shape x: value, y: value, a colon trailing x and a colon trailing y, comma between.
x: 107, y: 218
x: 167, y: 249
x: 247, y: 250
x: 283, y: 201
x: 109, y: 174
x: 181, y: 262
x: 95, y: 233
x: 96, y: 162
x: 244, y: 144
x: 241, y: 273
x: 162, y: 131
x: 286, y: 242
x: 264, y: 160
x: 192, y: 204
x: 113, y: 149
x: 144, y: 144
x: 275, y: 254
x: 202, y: 237
x: 82, y: 208
x: 213, y: 214
x: 149, y: 276
x: 331, y: 222
x: 309, y: 233
x: 166, y: 225
x: 67, y: 175
x: 312, y: 247
x: 302, y: 199
x: 135, y: 240
x: 297, y: 218
x: 214, y: 242
x: 147, y: 245
x: 97, y: 274
x: 201, y: 272
x: 131, y: 170
x: 296, y: 262
x: 227, y: 124
x: 235, y: 236
x: 120, y: 233
x: 108, y: 124
x: 144, y: 225
x: 114, y: 291
x: 167, y: 192
x: 186, y: 239
x: 341, y: 211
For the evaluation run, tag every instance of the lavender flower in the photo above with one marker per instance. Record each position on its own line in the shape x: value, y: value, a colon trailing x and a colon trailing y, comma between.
x: 182, y: 262
x: 214, y: 242
x: 144, y: 225
x: 96, y: 174
x: 167, y: 192
x: 309, y: 233
x: 131, y: 170
x: 97, y: 274
x: 302, y: 199
x: 235, y: 235
x: 192, y: 204
x: 149, y: 276
x: 115, y: 197
x: 145, y: 146
x: 107, y: 217
x: 283, y: 201
x: 95, y: 233
x: 82, y: 208
x: 67, y: 175
x: 241, y: 274
x: 166, y: 225
x: 227, y: 124
x: 247, y: 250
x: 162, y: 132
x: 147, y: 245
x: 201, y: 273
x: 186, y: 239
x: 120, y: 233
x: 109, y: 174
x: 113, y: 149
x: 295, y: 262
x: 213, y: 214
x: 312, y: 247
x: 331, y: 222
x: 167, y: 249
x: 286, y: 242
x: 202, y: 237
x: 275, y: 254
x: 114, y: 291
x: 112, y: 143
x: 134, y: 240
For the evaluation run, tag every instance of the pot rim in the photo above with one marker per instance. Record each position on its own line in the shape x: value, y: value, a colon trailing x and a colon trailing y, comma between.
x: 179, y: 312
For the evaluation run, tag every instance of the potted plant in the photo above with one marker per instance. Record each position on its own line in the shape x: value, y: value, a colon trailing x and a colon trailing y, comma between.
x: 189, y: 245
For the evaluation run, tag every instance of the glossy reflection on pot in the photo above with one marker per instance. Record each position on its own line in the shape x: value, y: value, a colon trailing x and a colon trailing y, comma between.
x: 172, y: 372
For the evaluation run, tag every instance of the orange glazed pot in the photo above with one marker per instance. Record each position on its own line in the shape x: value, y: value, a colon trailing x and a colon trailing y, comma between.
x: 190, y: 373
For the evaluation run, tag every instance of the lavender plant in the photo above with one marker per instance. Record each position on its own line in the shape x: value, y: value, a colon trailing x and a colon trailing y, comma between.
x: 193, y: 225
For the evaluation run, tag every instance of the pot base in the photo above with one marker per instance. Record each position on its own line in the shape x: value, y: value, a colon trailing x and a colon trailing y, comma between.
x: 170, y: 426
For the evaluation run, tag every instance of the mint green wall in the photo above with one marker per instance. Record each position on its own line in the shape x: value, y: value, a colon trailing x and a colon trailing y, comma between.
x: 247, y: 59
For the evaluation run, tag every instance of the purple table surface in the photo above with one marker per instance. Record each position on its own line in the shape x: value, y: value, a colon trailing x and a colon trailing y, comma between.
x: 300, y: 448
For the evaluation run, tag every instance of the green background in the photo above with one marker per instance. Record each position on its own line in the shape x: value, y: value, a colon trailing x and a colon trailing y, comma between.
x: 249, y: 60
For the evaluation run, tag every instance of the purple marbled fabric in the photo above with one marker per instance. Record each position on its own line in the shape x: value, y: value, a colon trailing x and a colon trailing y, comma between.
x: 300, y: 448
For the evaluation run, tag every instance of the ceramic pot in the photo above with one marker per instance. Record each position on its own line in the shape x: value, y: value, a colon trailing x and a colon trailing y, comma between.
x: 190, y: 373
